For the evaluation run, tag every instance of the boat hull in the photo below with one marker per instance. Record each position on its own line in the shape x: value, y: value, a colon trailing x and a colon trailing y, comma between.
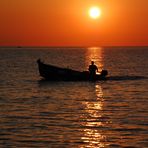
x: 54, y: 73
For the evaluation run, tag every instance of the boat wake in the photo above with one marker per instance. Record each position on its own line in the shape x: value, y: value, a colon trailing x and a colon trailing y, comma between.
x: 126, y: 78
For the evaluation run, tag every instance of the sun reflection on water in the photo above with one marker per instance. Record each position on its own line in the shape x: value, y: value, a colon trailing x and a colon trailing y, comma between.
x: 93, y: 136
x: 93, y: 121
x: 94, y: 54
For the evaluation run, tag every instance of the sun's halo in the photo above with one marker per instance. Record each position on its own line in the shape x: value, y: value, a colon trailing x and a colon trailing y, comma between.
x: 94, y: 12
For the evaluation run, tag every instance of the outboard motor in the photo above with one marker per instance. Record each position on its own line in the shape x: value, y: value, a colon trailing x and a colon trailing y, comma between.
x: 104, y: 73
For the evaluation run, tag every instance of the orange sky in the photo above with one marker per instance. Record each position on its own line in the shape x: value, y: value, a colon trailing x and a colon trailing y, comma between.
x: 67, y: 23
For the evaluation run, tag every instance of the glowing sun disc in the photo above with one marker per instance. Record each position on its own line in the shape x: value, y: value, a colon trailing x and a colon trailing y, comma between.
x: 94, y: 12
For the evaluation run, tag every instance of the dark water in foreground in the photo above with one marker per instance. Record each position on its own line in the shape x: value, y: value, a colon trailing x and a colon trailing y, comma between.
x: 110, y: 113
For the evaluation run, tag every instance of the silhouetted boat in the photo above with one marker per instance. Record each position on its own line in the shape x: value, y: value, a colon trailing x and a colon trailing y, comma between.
x: 54, y: 73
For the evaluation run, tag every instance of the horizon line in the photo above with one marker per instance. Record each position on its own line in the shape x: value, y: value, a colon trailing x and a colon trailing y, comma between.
x: 19, y: 46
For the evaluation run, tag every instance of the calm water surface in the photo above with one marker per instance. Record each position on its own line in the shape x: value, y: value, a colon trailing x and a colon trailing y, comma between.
x: 112, y: 113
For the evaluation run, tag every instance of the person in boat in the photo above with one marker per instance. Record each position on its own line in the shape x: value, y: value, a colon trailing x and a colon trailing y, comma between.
x: 92, y: 70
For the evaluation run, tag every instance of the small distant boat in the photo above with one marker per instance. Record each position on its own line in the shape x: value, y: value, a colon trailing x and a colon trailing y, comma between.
x: 54, y: 73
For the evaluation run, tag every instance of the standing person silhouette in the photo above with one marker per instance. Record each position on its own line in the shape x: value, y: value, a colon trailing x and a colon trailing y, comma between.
x: 92, y: 70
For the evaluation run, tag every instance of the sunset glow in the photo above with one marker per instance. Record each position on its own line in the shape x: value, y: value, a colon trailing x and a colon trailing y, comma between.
x: 74, y: 23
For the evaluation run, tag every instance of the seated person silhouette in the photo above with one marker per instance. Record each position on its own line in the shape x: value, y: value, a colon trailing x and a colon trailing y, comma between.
x: 92, y: 70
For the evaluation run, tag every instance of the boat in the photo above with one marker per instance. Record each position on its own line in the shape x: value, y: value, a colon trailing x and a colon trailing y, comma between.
x: 55, y: 73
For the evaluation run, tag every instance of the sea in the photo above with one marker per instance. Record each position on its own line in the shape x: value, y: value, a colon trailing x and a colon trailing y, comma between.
x: 104, y: 114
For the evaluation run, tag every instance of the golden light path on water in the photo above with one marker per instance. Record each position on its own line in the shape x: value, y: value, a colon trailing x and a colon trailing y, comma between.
x: 95, y: 54
x: 92, y: 136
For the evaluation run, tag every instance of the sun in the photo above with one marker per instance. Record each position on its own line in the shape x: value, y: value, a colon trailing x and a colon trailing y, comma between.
x: 94, y: 12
